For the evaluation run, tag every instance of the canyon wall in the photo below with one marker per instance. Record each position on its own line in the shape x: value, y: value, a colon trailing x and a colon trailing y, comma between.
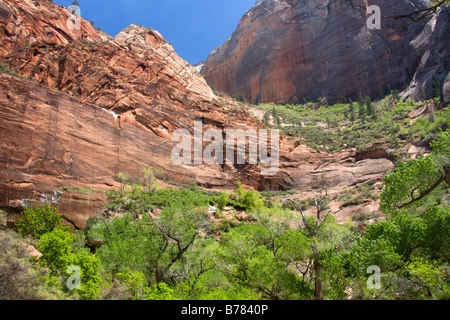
x: 77, y: 107
x: 289, y: 50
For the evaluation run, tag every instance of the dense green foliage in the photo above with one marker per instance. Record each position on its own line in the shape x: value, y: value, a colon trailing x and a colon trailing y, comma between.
x: 415, y: 179
x: 170, y: 251
x: 155, y: 243
x: 38, y: 221
x: 60, y: 249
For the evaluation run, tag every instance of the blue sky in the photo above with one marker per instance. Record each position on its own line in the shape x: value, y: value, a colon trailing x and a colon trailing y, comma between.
x: 193, y: 27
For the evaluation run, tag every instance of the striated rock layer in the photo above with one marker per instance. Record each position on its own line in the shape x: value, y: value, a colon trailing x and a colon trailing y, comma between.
x: 289, y: 50
x: 78, y: 107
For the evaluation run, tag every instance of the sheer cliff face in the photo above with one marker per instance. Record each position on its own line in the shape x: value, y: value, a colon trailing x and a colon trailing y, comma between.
x: 79, y: 107
x: 284, y: 50
x: 87, y: 106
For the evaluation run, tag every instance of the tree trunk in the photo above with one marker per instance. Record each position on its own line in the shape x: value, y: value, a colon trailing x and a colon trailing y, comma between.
x: 318, y: 280
x: 317, y: 274
x: 447, y: 174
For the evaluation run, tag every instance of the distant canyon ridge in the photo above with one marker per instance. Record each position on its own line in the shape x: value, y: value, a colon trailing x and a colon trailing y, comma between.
x: 284, y: 51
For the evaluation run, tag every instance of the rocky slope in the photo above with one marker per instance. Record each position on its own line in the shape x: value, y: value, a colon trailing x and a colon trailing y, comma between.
x: 289, y: 50
x: 78, y: 107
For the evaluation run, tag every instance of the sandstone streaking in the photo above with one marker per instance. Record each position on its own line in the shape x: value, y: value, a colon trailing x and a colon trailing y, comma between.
x: 84, y: 106
x: 287, y: 50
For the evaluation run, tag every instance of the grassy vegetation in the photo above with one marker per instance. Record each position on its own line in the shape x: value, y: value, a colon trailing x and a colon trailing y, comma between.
x: 80, y: 190
x: 343, y: 126
x: 6, y: 69
x: 163, y: 245
x: 357, y: 196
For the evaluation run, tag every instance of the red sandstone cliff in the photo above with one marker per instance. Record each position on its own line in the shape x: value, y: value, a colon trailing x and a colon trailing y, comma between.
x: 287, y: 50
x: 79, y: 107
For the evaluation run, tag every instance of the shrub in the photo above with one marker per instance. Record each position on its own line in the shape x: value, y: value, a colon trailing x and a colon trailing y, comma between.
x: 222, y: 201
x: 38, y: 221
x: 247, y: 200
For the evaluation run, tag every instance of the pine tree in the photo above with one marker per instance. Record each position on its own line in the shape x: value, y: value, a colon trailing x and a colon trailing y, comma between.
x: 276, y: 118
x: 436, y: 88
x: 266, y: 118
x: 351, y: 110
x: 395, y: 94
x: 278, y: 121
x: 422, y: 94
x: 362, y: 111
x: 328, y: 122
x: 370, y: 107
x: 274, y: 113
x: 361, y: 99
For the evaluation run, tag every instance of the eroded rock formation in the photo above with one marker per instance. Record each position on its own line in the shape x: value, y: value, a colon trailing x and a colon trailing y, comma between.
x: 289, y: 50
x: 78, y: 107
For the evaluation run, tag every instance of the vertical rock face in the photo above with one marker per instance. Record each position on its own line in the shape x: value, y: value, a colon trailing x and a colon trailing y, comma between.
x: 446, y: 90
x: 78, y: 107
x: 431, y: 50
x: 287, y: 50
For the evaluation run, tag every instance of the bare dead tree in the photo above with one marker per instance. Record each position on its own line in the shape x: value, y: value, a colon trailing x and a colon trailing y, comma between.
x: 312, y: 231
x: 418, y: 15
x: 414, y: 16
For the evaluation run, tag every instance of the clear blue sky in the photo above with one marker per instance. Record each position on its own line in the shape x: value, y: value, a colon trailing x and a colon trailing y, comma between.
x: 193, y: 27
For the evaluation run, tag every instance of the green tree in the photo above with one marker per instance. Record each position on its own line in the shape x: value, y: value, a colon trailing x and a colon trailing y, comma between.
x: 323, y: 235
x: 56, y: 247
x: 160, y: 292
x: 437, y: 94
x: 20, y: 277
x: 153, y: 245
x: 370, y: 108
x: 149, y: 181
x: 422, y: 94
x: 90, y: 280
x: 223, y: 200
x: 244, y: 258
x: 276, y: 116
x: 410, y: 250
x: 57, y: 254
x: 351, y: 111
x: 38, y: 221
x: 412, y: 181
x: 410, y: 239
x: 135, y: 284
x: 125, y: 245
x: 410, y: 247
x: 180, y: 228
x: 362, y: 111
x: 247, y: 200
